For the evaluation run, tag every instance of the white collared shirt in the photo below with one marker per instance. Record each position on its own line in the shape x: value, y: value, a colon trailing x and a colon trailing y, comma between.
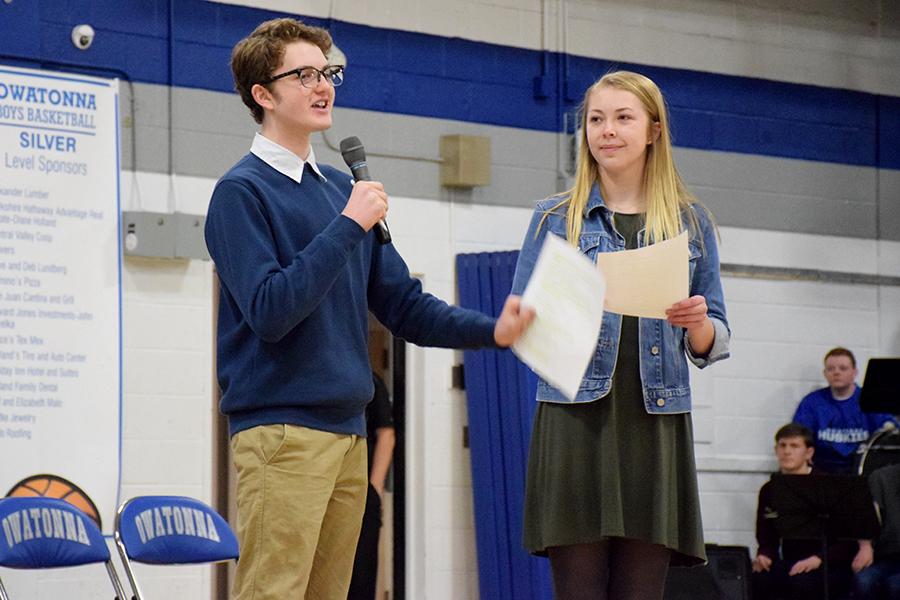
x: 283, y: 160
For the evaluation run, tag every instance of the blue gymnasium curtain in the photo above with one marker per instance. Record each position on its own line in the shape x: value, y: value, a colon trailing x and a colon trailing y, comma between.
x: 500, y: 395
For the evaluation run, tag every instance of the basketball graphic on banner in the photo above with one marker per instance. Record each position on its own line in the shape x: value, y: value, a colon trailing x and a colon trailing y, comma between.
x: 54, y: 486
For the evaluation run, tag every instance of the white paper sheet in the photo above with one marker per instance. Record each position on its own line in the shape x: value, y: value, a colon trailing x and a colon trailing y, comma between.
x: 566, y: 290
x: 647, y: 281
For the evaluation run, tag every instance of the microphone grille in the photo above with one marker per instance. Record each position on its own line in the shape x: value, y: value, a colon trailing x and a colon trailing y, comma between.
x: 352, y: 150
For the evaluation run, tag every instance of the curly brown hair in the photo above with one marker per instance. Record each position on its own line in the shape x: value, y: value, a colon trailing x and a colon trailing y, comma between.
x: 255, y: 58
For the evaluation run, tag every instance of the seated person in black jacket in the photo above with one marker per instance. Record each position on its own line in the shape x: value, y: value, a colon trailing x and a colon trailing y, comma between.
x: 790, y: 569
x: 881, y: 581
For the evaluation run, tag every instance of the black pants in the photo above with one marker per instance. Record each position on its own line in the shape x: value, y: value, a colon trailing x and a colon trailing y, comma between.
x: 776, y: 584
x: 365, y: 566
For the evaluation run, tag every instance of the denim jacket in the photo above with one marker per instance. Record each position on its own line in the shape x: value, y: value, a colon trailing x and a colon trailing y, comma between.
x: 663, y: 347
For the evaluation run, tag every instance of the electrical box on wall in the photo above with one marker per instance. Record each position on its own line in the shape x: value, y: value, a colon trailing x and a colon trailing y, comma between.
x: 148, y: 234
x: 189, y: 239
x: 163, y: 235
x: 465, y: 160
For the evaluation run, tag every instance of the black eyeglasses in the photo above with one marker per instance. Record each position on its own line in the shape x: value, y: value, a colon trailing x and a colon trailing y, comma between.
x: 310, y: 76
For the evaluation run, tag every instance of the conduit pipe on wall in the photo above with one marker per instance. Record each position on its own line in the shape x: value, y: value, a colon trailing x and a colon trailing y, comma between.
x: 329, y: 143
x: 171, y: 204
x: 566, y: 144
x: 816, y: 275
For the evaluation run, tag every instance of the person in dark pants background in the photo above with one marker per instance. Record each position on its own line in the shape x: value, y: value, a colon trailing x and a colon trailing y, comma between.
x: 790, y: 569
x: 881, y: 579
x: 380, y: 439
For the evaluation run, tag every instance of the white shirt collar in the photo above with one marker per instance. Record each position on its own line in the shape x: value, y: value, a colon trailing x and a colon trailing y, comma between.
x: 283, y: 160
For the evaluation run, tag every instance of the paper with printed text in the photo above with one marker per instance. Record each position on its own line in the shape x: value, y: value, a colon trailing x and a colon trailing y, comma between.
x: 566, y: 290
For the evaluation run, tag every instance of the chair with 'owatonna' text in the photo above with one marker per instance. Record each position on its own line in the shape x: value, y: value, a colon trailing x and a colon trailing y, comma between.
x: 46, y: 533
x: 171, y: 530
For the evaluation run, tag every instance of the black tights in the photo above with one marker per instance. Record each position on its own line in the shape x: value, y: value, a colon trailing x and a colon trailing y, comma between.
x: 614, y: 569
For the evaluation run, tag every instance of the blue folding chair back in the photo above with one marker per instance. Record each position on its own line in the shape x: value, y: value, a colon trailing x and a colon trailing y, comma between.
x: 171, y: 530
x: 46, y: 533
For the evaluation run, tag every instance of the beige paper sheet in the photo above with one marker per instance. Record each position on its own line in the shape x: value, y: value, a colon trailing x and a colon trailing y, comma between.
x: 647, y: 281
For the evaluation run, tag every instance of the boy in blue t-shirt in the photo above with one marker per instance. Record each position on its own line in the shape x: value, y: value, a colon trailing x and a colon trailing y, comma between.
x: 833, y: 414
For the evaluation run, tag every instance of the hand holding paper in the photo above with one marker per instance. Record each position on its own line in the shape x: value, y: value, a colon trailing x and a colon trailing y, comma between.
x: 691, y: 314
x: 514, y: 319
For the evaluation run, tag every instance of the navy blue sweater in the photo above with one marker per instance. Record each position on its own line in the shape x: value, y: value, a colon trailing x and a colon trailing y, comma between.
x: 297, y: 281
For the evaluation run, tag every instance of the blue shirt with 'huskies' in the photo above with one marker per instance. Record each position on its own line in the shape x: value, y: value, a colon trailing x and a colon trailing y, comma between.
x: 839, y: 426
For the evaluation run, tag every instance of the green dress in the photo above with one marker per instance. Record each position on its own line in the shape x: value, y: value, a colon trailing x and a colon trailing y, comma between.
x: 608, y: 468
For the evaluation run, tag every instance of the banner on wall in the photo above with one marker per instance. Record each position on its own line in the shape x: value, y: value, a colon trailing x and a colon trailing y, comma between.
x: 60, y: 282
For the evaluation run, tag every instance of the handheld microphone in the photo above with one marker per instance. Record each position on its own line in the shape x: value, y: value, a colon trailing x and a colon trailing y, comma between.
x: 355, y: 156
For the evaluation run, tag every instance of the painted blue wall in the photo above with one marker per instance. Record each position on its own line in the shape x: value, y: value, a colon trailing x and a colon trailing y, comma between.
x: 418, y: 74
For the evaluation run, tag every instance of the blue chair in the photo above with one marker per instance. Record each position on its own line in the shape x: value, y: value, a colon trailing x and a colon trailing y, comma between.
x: 46, y: 533
x: 171, y: 530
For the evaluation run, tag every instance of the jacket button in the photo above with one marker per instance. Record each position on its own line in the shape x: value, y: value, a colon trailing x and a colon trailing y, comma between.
x: 660, y: 402
x: 654, y: 350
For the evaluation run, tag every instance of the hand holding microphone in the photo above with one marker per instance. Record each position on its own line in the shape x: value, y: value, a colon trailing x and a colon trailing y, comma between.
x: 368, y: 202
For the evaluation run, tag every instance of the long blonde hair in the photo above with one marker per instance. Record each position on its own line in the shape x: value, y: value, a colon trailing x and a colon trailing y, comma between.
x: 664, y: 190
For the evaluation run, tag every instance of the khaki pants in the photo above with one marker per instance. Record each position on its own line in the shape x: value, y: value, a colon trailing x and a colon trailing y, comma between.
x: 300, y: 499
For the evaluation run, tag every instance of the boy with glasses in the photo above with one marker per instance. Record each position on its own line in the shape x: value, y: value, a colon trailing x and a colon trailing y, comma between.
x: 299, y: 271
